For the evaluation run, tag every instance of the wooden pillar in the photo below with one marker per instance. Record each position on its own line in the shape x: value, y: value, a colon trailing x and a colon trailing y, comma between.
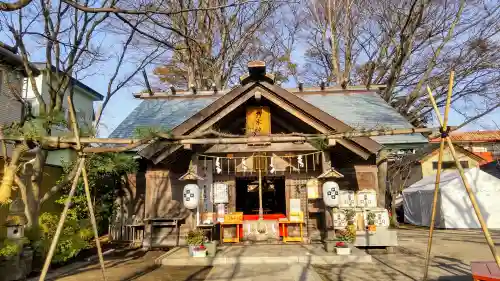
x: 326, y: 165
x: 382, y: 177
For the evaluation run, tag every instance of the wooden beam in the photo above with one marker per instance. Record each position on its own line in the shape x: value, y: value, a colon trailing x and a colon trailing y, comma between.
x: 274, y: 147
x: 54, y: 141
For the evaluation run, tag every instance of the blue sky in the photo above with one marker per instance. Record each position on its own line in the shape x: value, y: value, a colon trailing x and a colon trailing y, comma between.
x: 123, y: 101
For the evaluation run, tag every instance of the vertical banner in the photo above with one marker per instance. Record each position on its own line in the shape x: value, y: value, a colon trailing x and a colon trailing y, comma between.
x: 205, y: 169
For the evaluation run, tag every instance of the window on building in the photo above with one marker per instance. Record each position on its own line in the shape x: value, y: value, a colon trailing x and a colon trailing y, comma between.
x: 450, y: 165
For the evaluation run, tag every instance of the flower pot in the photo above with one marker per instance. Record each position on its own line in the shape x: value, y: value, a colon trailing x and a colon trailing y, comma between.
x: 371, y: 228
x: 192, y: 249
x: 343, y: 251
x: 199, y: 253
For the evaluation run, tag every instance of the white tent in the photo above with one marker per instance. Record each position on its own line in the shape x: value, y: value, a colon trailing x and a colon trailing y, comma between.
x: 454, y: 208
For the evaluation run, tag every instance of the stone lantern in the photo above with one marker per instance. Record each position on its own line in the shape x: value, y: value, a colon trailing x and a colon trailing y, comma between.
x: 16, y: 220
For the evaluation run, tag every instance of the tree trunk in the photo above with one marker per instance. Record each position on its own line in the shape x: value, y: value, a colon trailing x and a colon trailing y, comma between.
x: 10, y: 172
x: 382, y: 178
x: 393, y: 209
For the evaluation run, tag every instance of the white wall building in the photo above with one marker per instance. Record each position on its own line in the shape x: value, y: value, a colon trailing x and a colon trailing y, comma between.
x: 83, y: 101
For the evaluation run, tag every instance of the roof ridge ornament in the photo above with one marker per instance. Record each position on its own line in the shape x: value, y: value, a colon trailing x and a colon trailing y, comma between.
x: 257, y: 72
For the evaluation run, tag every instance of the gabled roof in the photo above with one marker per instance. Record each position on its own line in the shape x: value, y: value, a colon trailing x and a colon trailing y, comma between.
x: 475, y: 136
x: 9, y: 56
x: 357, y: 109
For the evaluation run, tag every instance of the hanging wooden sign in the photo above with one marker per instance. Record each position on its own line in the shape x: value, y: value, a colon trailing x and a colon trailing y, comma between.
x: 258, y: 121
x: 366, y: 176
x: 236, y: 218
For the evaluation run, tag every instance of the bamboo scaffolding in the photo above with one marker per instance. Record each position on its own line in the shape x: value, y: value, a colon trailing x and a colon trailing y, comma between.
x: 70, y: 142
x: 445, y: 137
x: 443, y: 124
x: 64, y: 213
x: 83, y: 171
x: 87, y: 188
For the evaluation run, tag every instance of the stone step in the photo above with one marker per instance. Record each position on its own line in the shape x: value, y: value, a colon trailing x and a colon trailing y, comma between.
x: 264, y: 254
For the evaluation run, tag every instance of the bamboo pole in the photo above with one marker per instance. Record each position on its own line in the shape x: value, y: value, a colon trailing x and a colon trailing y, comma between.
x: 60, y: 225
x: 87, y: 189
x: 201, y: 139
x: 439, y: 168
x: 473, y: 200
x: 444, y: 135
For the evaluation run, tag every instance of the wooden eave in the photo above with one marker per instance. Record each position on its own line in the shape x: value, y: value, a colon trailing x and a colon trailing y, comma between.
x: 363, y: 146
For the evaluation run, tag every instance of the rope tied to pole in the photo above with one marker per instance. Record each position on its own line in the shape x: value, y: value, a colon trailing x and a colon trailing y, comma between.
x: 445, y: 132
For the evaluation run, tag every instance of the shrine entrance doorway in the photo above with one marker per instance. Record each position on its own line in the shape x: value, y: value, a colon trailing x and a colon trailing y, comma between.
x: 273, y: 196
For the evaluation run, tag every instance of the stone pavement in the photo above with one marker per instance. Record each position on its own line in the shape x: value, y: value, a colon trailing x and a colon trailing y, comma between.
x: 274, y: 272
x: 453, y: 250
x: 126, y: 266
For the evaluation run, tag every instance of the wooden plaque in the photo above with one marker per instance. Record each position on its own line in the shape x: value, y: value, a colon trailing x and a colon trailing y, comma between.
x: 366, y: 176
x: 258, y: 121
x: 236, y: 218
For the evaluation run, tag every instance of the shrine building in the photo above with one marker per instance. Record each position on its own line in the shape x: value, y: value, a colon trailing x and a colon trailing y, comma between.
x: 255, y: 159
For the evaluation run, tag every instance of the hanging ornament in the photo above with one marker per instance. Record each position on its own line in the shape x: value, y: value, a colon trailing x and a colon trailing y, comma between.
x: 244, y: 165
x: 218, y: 169
x: 272, y: 171
x: 299, y: 160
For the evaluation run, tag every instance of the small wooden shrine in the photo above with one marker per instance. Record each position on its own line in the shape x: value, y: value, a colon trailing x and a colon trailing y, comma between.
x: 268, y: 187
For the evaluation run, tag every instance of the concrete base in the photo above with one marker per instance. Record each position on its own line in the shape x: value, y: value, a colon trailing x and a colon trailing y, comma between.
x: 264, y: 254
x: 383, y: 237
x: 330, y: 246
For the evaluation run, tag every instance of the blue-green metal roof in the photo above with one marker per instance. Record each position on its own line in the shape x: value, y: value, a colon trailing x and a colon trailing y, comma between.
x: 359, y: 110
x: 366, y: 110
x: 160, y: 113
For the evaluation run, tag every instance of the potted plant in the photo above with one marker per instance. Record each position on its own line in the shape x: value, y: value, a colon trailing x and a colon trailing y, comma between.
x: 342, y: 248
x: 372, y: 228
x: 350, y: 215
x: 195, y: 239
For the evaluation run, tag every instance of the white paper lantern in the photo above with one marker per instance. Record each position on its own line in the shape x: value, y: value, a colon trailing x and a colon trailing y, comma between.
x: 191, y: 196
x: 347, y: 198
x: 367, y: 199
x: 331, y: 194
x: 221, y: 193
